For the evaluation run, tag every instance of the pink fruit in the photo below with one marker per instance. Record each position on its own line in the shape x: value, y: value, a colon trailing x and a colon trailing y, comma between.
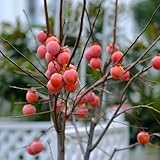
x: 54, y: 67
x: 96, y: 50
x: 70, y: 76
x: 29, y: 109
x: 48, y: 74
x: 32, y: 96
x: 48, y: 57
x: 71, y: 88
x: 117, y: 57
x: 95, y: 63
x: 52, y: 89
x: 29, y: 151
x: 41, y: 51
x: 53, y: 48
x: 116, y: 72
x: 110, y: 50
x: 143, y: 137
x: 88, y: 55
x: 56, y: 80
x: 95, y: 102
x: 63, y: 58
x: 81, y: 113
x: 156, y: 62
x: 52, y: 38
x: 36, y: 147
x: 41, y: 36
x: 125, y: 76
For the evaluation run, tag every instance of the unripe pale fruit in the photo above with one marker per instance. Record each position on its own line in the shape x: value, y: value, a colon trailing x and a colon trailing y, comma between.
x: 48, y: 57
x: 116, y: 72
x: 81, y: 113
x: 53, y: 48
x: 110, y: 50
x: 95, y: 63
x: 36, y: 147
x: 32, y: 96
x: 63, y: 58
x: 56, y: 80
x: 70, y: 76
x: 95, y: 102
x: 52, y: 38
x: 156, y: 62
x: 143, y: 137
x: 125, y: 76
x: 52, y: 89
x: 41, y: 36
x: 29, y: 109
x: 41, y: 51
x: 71, y: 88
x: 71, y: 66
x: 116, y: 57
x: 54, y: 67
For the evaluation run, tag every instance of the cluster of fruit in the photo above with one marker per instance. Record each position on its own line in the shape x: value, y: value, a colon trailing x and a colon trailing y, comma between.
x: 59, y: 72
x: 93, y: 56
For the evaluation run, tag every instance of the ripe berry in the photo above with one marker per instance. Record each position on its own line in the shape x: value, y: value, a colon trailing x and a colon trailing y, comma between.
x: 53, y: 48
x: 117, y: 57
x: 125, y: 76
x: 36, y: 147
x: 81, y: 112
x: 116, y: 72
x: 29, y: 151
x: 95, y: 63
x: 88, y: 55
x: 56, y: 80
x: 32, y: 96
x: 95, y: 102
x: 96, y: 50
x: 41, y: 51
x: 156, y: 62
x: 110, y: 50
x: 63, y: 58
x: 54, y: 67
x: 48, y: 57
x: 52, y: 89
x: 143, y: 137
x: 70, y: 76
x: 52, y: 38
x: 71, y: 87
x: 29, y: 109
x: 41, y: 36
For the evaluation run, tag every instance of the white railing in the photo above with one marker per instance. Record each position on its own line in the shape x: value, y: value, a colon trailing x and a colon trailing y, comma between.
x: 14, y: 136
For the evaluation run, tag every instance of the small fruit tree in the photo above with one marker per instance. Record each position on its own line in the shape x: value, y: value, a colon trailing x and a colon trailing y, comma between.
x: 59, y: 84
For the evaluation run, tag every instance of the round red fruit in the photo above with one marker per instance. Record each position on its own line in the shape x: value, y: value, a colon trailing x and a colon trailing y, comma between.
x: 41, y: 36
x: 53, y: 48
x: 110, y: 50
x: 48, y: 57
x: 56, y: 79
x: 32, y: 96
x: 117, y: 57
x: 52, y: 89
x: 156, y: 62
x: 52, y: 38
x: 81, y: 113
x: 143, y: 137
x: 71, y: 88
x: 36, y: 147
x: 28, y: 109
x: 54, y: 67
x: 96, y: 50
x: 70, y: 76
x: 63, y: 58
x: 116, y: 72
x: 29, y: 151
x: 95, y: 102
x: 125, y: 76
x: 41, y: 51
x: 95, y: 63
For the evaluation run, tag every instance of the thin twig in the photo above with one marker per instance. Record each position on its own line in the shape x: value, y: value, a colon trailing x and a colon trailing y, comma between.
x: 61, y: 21
x: 46, y: 16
